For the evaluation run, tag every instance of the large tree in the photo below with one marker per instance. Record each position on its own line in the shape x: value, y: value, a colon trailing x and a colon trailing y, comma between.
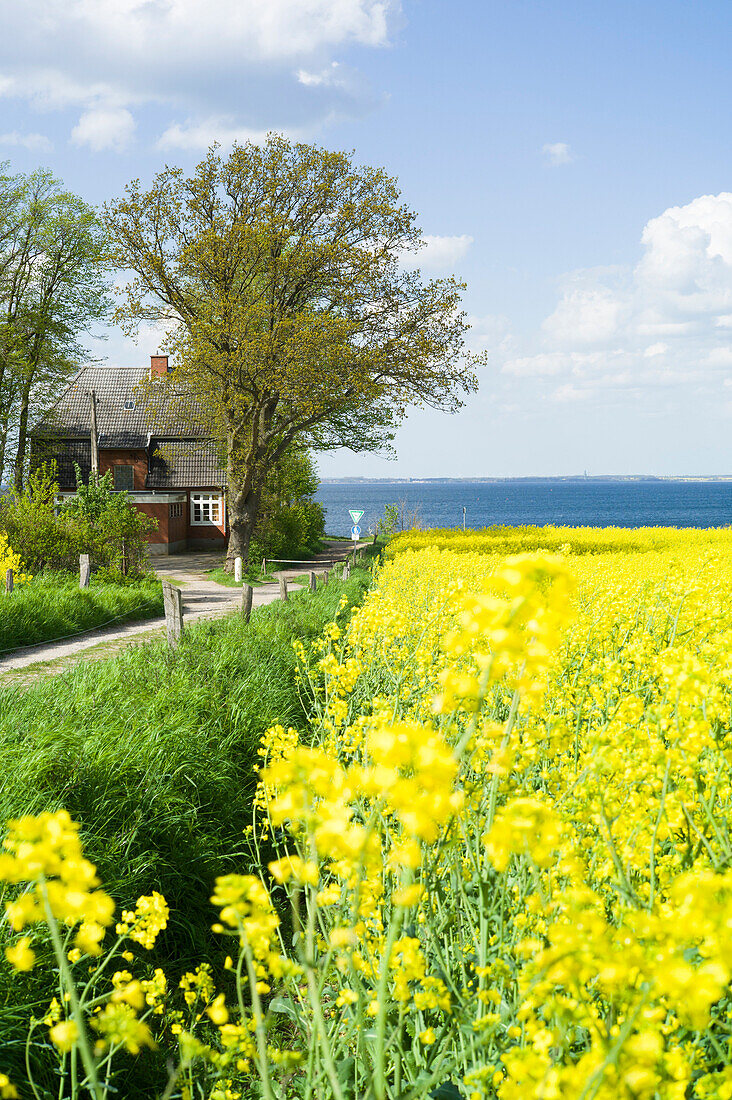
x: 279, y: 271
x: 54, y: 269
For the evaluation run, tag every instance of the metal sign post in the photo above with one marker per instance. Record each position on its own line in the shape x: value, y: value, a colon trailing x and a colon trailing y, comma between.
x: 355, y: 515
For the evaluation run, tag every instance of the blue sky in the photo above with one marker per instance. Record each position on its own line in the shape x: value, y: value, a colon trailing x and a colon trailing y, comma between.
x: 570, y: 160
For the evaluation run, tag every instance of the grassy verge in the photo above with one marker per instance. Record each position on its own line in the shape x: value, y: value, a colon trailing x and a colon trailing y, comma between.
x: 52, y: 607
x: 153, y: 750
x: 154, y: 753
x: 255, y: 574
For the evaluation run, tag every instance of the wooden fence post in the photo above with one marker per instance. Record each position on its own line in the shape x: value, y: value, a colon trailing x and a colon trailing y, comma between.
x: 173, y: 600
x: 346, y: 570
x: 247, y: 595
x: 238, y: 570
x: 313, y: 581
x: 283, y: 587
x: 264, y: 567
x: 325, y: 576
x: 9, y: 581
x: 84, y: 570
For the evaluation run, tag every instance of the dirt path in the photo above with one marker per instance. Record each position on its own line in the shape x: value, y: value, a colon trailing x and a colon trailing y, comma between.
x: 202, y: 599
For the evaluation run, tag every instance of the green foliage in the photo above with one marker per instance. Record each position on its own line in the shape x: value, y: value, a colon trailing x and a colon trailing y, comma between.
x: 290, y: 523
x: 113, y: 529
x: 97, y: 521
x: 389, y: 523
x: 43, y: 539
x: 52, y: 606
x: 54, y: 277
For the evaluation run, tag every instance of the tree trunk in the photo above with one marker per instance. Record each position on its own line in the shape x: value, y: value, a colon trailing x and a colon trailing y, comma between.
x: 246, y: 471
x: 243, y: 507
x: 242, y: 518
x: 22, y: 438
x: 3, y: 446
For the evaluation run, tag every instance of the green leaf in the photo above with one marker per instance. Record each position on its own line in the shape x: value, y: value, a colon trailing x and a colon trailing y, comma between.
x: 345, y: 1069
x: 446, y: 1091
x: 285, y: 1008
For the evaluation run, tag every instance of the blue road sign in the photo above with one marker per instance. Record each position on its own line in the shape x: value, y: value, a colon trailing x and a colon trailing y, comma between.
x: 355, y: 532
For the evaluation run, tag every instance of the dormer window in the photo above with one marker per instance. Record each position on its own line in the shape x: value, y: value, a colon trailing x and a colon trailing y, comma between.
x: 129, y: 404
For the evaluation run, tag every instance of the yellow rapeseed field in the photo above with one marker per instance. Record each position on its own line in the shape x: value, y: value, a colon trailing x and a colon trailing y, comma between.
x: 505, y: 844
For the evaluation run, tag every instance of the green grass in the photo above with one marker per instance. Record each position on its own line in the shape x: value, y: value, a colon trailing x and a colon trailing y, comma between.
x: 255, y: 574
x: 154, y: 753
x: 53, y: 606
x: 221, y: 577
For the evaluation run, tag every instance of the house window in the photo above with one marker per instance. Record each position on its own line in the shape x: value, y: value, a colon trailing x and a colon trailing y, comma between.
x: 176, y: 510
x: 124, y: 477
x: 205, y: 509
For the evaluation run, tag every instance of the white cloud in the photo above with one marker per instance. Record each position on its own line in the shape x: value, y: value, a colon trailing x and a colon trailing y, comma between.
x: 558, y: 152
x: 332, y: 75
x: 438, y: 254
x: 569, y: 392
x: 545, y: 364
x: 105, y: 128
x: 36, y: 142
x: 201, y: 134
x: 586, y: 315
x: 720, y: 357
x: 490, y: 333
x: 663, y: 323
x: 199, y: 61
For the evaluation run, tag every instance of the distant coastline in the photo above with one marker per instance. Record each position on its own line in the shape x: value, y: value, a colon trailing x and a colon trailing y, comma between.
x: 533, y: 479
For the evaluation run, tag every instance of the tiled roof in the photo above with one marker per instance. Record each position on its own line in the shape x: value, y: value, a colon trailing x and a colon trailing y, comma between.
x: 185, y: 464
x: 64, y: 453
x: 117, y: 426
x: 187, y: 460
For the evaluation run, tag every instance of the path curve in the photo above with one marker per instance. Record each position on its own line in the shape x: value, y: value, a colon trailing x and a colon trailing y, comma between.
x: 202, y: 599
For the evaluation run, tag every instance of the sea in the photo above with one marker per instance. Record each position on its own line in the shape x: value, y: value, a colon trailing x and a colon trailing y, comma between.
x: 570, y: 502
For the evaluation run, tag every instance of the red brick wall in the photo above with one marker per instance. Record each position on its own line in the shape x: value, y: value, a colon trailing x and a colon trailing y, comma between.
x: 136, y: 459
x: 160, y: 513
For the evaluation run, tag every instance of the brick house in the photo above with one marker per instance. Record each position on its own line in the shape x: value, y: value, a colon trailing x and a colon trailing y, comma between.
x: 175, y: 477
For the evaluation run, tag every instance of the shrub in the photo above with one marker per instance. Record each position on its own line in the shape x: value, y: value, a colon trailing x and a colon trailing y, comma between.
x: 10, y: 560
x: 290, y: 522
x: 42, y: 539
x: 110, y: 526
x: 97, y: 521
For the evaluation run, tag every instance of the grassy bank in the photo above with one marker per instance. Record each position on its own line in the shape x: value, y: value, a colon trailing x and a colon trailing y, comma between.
x: 53, y: 606
x: 154, y: 753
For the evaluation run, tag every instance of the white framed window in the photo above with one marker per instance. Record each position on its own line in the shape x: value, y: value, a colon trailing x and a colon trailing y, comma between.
x: 206, y: 509
x: 124, y: 477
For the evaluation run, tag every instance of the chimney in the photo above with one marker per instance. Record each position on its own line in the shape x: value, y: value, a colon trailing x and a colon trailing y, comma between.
x: 158, y: 366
